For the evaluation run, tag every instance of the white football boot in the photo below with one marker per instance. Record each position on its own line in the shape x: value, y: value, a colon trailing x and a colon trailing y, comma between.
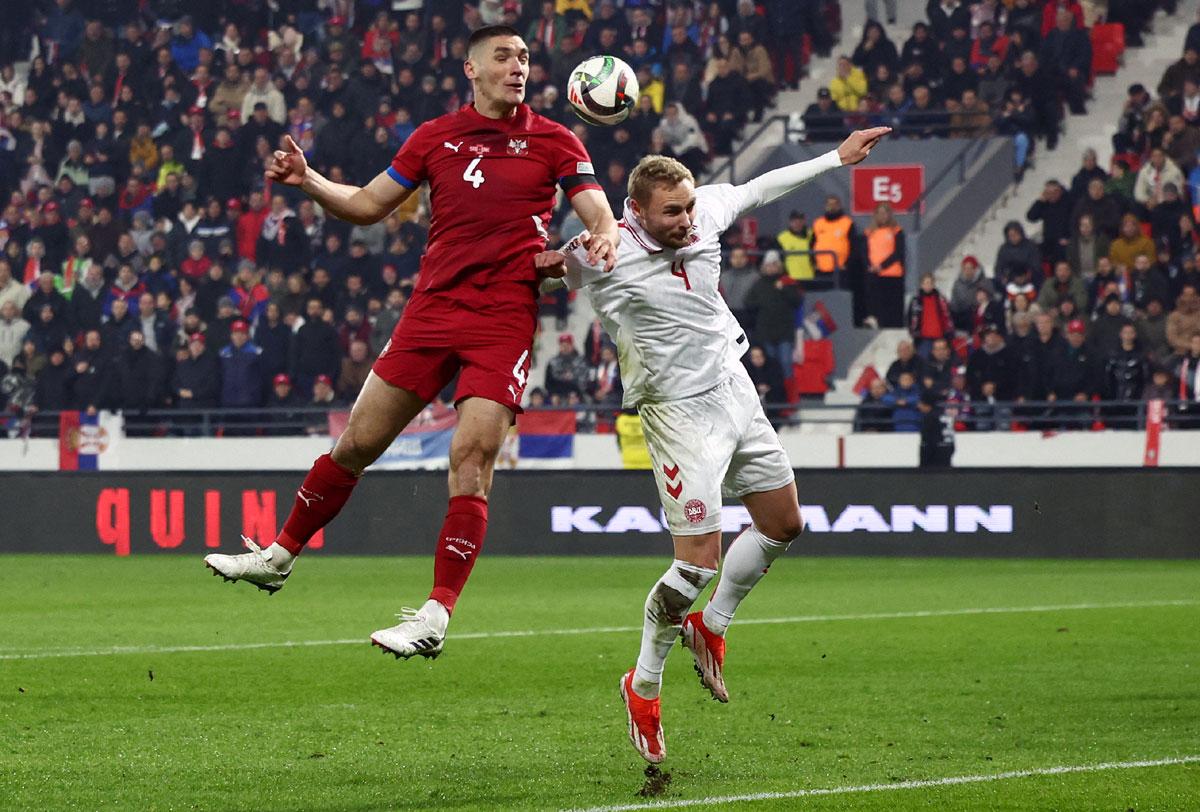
x: 418, y: 632
x: 256, y: 567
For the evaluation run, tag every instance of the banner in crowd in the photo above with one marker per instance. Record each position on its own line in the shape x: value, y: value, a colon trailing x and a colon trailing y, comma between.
x: 424, y: 443
x: 88, y: 442
x: 1131, y: 513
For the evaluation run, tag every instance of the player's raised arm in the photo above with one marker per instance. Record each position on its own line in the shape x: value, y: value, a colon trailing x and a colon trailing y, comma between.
x: 592, y: 208
x: 361, y: 205
x: 779, y: 182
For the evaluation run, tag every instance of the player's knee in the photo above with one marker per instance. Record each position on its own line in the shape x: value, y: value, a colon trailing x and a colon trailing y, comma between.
x: 356, y: 452
x: 784, y: 528
x: 471, y: 464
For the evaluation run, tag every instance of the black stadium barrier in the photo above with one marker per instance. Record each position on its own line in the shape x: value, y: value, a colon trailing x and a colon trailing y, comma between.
x: 1002, y: 513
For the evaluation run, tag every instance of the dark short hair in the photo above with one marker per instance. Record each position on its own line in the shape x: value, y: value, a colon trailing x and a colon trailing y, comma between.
x: 489, y: 31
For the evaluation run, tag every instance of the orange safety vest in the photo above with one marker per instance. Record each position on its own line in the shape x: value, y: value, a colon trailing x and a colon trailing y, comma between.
x: 832, y: 235
x: 881, y: 243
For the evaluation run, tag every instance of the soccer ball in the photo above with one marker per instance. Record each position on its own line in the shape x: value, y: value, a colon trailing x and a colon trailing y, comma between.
x: 602, y: 90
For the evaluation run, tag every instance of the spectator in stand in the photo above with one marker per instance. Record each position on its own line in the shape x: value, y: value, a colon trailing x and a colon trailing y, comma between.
x: 874, y: 414
x: 1146, y: 282
x: 729, y: 99
x: 1183, y: 322
x: 907, y: 360
x: 1104, y: 334
x: 1125, y: 375
x: 1087, y: 248
x: 1130, y: 243
x: 1171, y: 224
x: 1101, y: 207
x: 1067, y: 54
x: 766, y: 375
x: 1064, y: 284
x: 848, y: 86
x: 1040, y: 89
x: 196, y: 383
x: 972, y: 118
x: 926, y: 118
x: 1170, y: 87
x: 991, y: 369
x: 903, y: 400
x: 885, y: 270
x: 137, y: 382
x: 757, y: 70
x: 355, y: 368
x: 875, y: 50
x: 10, y: 289
x: 963, y: 295
x: 738, y: 277
x: 1181, y: 142
x: 605, y: 385
x: 773, y: 300
x: 928, y: 316
x: 283, y: 401
x: 937, y: 371
x: 241, y: 369
x: 1073, y: 376
x: 13, y: 329
x: 1152, y: 331
x: 1053, y: 211
x: 325, y: 399
x: 315, y: 347
x: 683, y: 137
x: 823, y: 121
x: 567, y: 371
x: 1016, y: 118
x: 1185, y: 367
x: 795, y: 242
x: 1153, y: 177
x: 1187, y: 104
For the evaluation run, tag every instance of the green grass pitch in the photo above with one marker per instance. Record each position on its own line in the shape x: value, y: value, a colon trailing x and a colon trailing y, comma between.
x: 875, y: 674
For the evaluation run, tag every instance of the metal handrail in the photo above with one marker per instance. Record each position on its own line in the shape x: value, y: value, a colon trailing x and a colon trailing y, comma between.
x: 1012, y: 415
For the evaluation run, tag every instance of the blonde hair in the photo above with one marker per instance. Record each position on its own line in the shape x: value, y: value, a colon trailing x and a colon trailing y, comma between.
x: 652, y: 171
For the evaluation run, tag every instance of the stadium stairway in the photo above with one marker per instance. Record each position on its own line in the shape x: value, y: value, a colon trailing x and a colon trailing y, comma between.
x: 820, y: 71
x: 1095, y: 130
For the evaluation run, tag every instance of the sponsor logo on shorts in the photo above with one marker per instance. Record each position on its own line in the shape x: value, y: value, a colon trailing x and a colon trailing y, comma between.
x: 695, y: 511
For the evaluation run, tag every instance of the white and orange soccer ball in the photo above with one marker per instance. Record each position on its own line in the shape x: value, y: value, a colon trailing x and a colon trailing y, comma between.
x: 602, y: 90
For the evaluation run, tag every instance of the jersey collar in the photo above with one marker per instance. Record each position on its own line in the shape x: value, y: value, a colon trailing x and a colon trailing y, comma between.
x: 629, y: 222
x: 520, y: 121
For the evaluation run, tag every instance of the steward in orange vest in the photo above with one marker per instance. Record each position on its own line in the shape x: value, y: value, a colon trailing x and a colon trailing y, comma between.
x: 885, y: 270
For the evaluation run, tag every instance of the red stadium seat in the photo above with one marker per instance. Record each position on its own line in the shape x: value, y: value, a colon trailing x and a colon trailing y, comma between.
x: 1108, y: 43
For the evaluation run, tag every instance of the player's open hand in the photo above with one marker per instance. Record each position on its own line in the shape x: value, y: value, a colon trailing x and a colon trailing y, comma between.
x: 858, y: 144
x: 288, y: 166
x: 551, y: 264
x: 601, y: 247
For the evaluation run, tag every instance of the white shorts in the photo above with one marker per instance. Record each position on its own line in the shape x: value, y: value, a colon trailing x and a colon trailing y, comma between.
x: 708, y: 445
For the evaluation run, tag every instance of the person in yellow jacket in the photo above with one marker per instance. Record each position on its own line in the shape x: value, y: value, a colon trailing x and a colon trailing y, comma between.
x: 635, y: 456
x: 849, y: 86
x: 885, y: 270
x: 795, y: 241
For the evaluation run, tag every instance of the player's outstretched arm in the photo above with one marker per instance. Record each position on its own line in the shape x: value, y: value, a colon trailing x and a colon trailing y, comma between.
x: 779, y: 182
x: 592, y: 207
x: 361, y: 205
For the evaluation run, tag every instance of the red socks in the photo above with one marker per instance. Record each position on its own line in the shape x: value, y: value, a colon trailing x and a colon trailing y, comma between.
x: 321, y: 497
x: 458, y: 545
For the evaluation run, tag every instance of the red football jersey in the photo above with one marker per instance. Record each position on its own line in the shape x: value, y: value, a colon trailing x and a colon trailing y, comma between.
x: 492, y: 188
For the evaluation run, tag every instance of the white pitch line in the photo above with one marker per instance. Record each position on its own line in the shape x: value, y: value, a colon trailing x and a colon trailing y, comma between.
x: 928, y: 783
x: 986, y: 610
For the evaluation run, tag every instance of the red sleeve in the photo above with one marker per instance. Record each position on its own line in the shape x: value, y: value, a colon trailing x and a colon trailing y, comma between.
x: 408, y: 167
x: 573, y: 166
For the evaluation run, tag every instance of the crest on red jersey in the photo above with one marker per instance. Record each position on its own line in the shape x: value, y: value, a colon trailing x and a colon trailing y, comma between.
x: 518, y: 146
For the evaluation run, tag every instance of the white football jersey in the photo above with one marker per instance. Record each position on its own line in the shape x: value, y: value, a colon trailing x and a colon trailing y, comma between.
x: 663, y: 307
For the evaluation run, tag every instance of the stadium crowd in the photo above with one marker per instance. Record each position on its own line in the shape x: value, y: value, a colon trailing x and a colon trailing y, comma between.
x: 1104, y: 306
x: 145, y: 261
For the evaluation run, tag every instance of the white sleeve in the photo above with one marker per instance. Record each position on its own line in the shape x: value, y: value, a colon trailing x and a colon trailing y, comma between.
x: 579, y: 273
x: 779, y: 182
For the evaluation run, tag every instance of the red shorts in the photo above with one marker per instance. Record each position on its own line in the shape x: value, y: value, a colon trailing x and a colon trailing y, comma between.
x: 490, y: 355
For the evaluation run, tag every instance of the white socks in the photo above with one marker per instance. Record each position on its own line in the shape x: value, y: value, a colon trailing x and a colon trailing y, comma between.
x: 279, y: 557
x: 666, y: 607
x: 747, y: 561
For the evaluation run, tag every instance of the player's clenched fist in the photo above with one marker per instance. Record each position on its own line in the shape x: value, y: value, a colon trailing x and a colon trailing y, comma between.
x: 288, y: 166
x: 551, y: 264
